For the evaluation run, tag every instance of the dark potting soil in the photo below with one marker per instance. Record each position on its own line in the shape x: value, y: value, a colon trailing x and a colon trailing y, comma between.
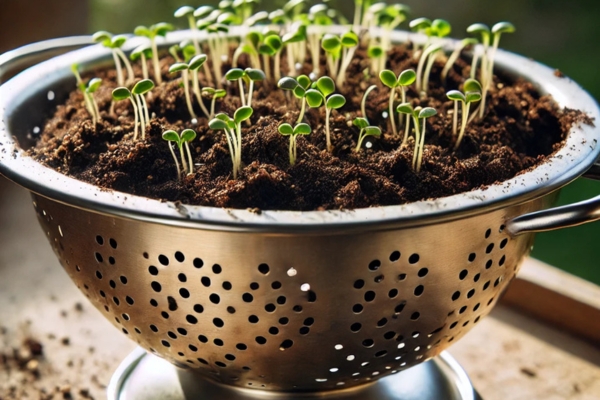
x: 520, y: 130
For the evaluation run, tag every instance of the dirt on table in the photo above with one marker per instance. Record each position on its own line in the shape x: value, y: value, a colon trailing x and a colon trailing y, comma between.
x: 520, y: 130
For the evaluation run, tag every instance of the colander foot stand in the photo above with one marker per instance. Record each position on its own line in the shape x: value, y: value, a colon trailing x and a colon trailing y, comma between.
x: 143, y: 376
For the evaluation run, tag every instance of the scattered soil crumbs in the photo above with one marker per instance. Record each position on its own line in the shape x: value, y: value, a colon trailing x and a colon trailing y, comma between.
x: 520, y: 130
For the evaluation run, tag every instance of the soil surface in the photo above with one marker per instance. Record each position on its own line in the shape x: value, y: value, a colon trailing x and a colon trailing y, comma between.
x: 520, y: 130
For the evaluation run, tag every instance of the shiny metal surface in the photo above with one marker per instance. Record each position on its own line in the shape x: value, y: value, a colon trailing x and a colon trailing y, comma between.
x: 296, y: 312
x: 145, y: 377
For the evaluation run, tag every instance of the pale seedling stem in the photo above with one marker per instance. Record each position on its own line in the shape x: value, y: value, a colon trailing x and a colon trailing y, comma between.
x: 186, y: 89
x: 363, y: 104
x: 391, y: 111
x: 140, y: 107
x: 176, y: 161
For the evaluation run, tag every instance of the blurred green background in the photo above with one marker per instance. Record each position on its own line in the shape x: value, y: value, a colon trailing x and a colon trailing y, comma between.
x: 559, y: 33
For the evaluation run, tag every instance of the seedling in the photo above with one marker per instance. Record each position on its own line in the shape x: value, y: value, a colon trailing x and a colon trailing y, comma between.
x: 296, y: 49
x: 405, y: 79
x: 489, y: 54
x: 249, y: 76
x: 114, y: 43
x: 181, y: 140
x: 389, y: 17
x: 233, y: 133
x: 193, y: 66
x: 122, y: 93
x: 138, y: 92
x: 214, y: 94
x: 363, y: 103
x: 365, y: 130
x: 299, y: 129
x: 332, y: 102
x: 87, y: 95
x: 249, y: 46
x: 184, y: 69
x: 460, y: 46
x: 419, y: 116
x: 188, y: 12
x: 93, y: 85
x: 272, y: 47
x: 439, y: 28
x: 339, y: 50
x: 301, y: 90
x: 152, y: 32
x: 319, y: 19
x: 472, y: 94
x: 142, y: 53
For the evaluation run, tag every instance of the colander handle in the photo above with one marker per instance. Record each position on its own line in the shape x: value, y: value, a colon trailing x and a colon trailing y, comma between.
x: 560, y: 217
x: 39, y: 51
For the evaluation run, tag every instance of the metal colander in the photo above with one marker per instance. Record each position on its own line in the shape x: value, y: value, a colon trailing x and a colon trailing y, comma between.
x: 290, y: 301
x: 288, y: 312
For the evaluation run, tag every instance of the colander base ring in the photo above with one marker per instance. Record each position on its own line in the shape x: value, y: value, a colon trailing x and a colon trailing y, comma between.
x: 145, y: 376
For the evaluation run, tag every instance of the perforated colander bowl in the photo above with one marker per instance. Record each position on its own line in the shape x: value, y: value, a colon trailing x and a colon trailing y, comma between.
x: 291, y: 301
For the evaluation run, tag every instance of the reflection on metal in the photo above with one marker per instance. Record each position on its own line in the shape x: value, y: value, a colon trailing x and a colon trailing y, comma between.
x: 145, y: 377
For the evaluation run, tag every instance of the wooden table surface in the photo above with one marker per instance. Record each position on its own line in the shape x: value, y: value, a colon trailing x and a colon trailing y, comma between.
x: 508, y: 355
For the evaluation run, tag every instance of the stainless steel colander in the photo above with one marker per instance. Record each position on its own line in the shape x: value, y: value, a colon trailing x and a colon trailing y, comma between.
x: 291, y: 301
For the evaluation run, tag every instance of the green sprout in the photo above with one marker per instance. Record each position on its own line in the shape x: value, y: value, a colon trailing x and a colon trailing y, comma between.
x: 233, y: 133
x: 439, y: 28
x: 114, y: 43
x: 188, y: 12
x: 301, y: 90
x: 142, y: 53
x: 319, y: 19
x: 215, y: 24
x: 293, y: 132
x: 214, y: 94
x: 271, y: 47
x: 248, y: 76
x: 402, y: 81
x: 90, y: 103
x: 363, y: 103
x: 181, y: 140
x: 489, y: 55
x: 377, y: 55
x: 193, y: 66
x: 460, y: 46
x: 184, y: 69
x: 249, y: 45
x: 140, y: 107
x: 244, y: 10
x: 92, y: 86
x: 472, y: 94
x: 419, y: 116
x: 389, y: 17
x: 296, y: 49
x: 365, y: 130
x: 152, y: 32
x: 326, y: 86
x: 340, y: 51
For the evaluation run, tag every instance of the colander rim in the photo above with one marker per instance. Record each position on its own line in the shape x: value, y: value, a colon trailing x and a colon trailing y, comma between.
x: 574, y: 159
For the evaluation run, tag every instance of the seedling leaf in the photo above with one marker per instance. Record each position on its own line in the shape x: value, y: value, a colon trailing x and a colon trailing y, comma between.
x: 274, y: 41
x: 304, y: 81
x: 331, y: 43
x: 188, y: 135
x: 372, y: 131
x: 472, y: 85
x: 441, y: 27
x: 299, y: 92
x: 171, y: 136
x: 503, y: 27
x: 255, y: 74
x: 360, y: 123
x: 242, y: 114
x: 218, y: 124
x: 326, y: 85
x: 183, y: 11
x: 143, y: 87
x: 375, y: 52
x: 121, y: 93
x: 93, y: 85
x: 336, y: 101
x: 405, y: 108
x: 456, y: 95
x: 472, y: 97
x: 388, y: 78
x: 286, y: 129
x: 197, y: 62
x: 349, y: 39
x: 479, y: 28
x: 178, y: 67
x: 234, y: 74
x: 302, y: 129
x: 407, y: 77
x: 427, y: 112
x: 287, y: 83
x: 314, y: 98
x: 101, y: 36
